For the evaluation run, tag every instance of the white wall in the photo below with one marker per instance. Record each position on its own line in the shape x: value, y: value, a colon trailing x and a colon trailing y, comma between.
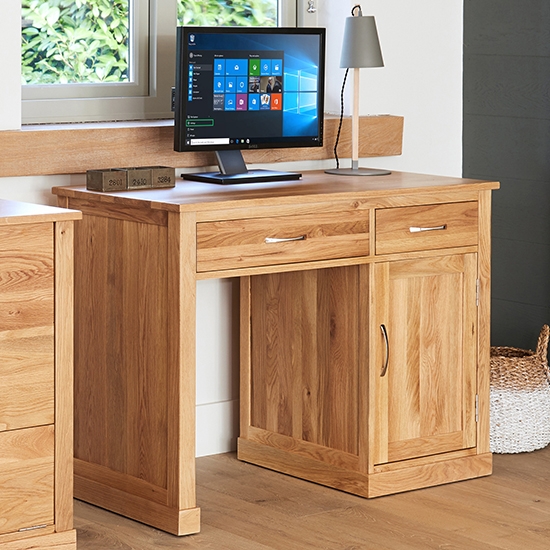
x: 10, y: 89
x: 422, y: 81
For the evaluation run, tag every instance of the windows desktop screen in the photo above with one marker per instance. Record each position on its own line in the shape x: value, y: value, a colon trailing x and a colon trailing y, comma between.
x: 248, y: 89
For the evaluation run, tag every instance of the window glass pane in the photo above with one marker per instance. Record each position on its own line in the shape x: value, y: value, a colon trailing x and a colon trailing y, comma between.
x: 82, y: 41
x: 229, y: 13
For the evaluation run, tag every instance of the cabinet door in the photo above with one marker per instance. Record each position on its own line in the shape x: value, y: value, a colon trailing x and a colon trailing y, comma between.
x: 423, y: 369
x: 305, y: 358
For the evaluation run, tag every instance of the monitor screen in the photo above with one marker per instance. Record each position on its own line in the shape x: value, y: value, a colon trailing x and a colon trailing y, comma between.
x: 249, y: 88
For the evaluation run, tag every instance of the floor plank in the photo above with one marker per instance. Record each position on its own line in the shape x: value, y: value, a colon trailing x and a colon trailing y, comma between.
x: 245, y: 507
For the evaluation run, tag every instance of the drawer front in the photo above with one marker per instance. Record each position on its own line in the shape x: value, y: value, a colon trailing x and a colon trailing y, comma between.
x: 26, y: 478
x: 427, y: 227
x: 26, y: 326
x: 254, y: 242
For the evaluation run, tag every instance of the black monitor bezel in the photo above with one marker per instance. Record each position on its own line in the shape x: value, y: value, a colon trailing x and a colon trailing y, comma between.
x: 181, y: 85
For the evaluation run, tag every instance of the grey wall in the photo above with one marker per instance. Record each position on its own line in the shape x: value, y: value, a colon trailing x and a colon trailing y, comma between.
x: 506, y: 136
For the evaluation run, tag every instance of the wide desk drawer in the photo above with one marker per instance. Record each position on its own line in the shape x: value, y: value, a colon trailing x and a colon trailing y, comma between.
x: 253, y: 242
x: 426, y: 227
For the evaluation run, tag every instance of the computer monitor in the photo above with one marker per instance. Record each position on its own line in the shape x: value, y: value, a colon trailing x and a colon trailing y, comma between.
x: 248, y: 88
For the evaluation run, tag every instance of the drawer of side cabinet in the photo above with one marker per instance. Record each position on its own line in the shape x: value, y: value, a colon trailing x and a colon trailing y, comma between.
x: 252, y: 242
x: 26, y: 478
x: 426, y: 227
x: 26, y: 378
x: 26, y: 326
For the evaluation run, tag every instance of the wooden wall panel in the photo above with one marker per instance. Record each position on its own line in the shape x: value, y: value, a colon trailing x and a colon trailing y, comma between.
x: 74, y: 149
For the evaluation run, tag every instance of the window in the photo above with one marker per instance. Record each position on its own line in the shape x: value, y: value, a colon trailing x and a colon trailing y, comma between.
x: 92, y: 60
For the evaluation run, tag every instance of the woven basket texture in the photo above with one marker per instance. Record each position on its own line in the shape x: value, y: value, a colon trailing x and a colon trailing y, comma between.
x: 520, y: 397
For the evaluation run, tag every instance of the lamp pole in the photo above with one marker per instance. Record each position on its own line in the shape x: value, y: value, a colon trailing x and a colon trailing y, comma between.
x: 360, y: 48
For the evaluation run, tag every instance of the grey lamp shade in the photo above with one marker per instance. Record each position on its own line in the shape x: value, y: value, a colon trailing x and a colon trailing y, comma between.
x: 360, y: 47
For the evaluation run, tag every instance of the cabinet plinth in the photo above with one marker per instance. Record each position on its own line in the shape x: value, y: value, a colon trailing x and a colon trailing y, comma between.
x: 36, y: 351
x: 324, y: 264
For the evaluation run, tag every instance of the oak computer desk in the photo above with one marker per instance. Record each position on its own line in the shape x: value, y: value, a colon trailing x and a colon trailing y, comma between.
x: 364, y: 333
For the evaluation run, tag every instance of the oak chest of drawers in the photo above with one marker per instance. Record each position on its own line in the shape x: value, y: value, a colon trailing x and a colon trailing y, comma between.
x: 36, y: 362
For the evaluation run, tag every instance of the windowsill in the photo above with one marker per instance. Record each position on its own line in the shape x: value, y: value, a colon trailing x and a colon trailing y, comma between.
x: 97, y: 125
x: 75, y: 148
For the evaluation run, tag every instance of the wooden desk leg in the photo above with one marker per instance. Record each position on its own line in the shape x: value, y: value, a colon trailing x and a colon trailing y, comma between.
x: 135, y: 365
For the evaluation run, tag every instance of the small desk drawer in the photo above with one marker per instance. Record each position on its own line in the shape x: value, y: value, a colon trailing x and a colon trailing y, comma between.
x: 414, y: 228
x: 253, y: 242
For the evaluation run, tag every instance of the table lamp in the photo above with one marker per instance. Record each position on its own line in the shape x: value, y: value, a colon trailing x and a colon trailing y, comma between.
x: 360, y: 48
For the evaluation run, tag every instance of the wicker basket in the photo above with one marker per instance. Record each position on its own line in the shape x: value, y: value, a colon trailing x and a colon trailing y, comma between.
x: 520, y: 397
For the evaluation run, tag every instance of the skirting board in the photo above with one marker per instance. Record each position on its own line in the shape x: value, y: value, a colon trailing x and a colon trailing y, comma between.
x: 54, y: 541
x: 171, y: 520
x: 362, y: 484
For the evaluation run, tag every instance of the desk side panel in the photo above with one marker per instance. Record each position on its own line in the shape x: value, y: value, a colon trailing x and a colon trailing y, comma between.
x: 121, y: 361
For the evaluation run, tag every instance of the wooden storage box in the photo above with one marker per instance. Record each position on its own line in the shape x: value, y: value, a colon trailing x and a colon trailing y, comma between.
x: 162, y: 176
x: 138, y: 178
x: 106, y: 180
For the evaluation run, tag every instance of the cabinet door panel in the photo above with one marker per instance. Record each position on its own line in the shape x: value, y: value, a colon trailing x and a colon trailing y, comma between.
x: 305, y: 368
x: 26, y: 326
x: 426, y: 399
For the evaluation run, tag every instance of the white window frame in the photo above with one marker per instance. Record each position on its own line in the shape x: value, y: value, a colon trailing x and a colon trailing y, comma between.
x: 149, y: 96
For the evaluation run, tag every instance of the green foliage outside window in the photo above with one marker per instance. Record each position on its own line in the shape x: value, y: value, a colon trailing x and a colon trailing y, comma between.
x: 74, y: 41
x: 86, y: 41
x: 228, y: 13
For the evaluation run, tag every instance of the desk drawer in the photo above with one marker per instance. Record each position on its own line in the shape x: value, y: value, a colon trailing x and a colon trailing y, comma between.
x: 253, y: 242
x: 414, y: 228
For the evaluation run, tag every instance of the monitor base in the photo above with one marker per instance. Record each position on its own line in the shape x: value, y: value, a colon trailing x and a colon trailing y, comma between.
x: 233, y: 170
x: 251, y: 176
x: 358, y: 172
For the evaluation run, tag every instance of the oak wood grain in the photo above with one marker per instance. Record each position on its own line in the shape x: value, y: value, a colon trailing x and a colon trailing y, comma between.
x: 65, y: 540
x: 233, y: 244
x: 305, y: 356
x: 86, y: 147
x: 430, y: 379
x: 135, y: 363
x: 26, y: 326
x: 36, y: 289
x: 26, y: 478
x: 315, y: 188
x: 121, y: 374
x: 64, y: 364
x: 437, y: 226
x: 484, y: 314
x: 310, y: 337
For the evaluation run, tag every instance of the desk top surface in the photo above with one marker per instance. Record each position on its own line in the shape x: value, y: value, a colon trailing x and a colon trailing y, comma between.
x: 314, y: 186
x: 15, y: 212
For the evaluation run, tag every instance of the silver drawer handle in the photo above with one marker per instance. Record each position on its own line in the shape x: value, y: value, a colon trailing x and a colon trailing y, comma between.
x: 420, y: 229
x: 270, y: 240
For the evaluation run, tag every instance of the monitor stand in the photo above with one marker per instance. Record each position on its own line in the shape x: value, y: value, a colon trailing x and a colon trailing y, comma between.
x: 233, y: 170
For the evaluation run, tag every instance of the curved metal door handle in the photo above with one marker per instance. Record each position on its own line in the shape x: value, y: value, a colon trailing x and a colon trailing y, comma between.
x: 386, y: 339
x: 269, y: 240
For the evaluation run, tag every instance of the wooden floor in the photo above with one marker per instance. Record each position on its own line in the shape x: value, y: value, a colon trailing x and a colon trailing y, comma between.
x: 249, y: 508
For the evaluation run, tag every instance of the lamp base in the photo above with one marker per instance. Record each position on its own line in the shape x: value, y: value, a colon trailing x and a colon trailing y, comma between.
x: 358, y: 172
